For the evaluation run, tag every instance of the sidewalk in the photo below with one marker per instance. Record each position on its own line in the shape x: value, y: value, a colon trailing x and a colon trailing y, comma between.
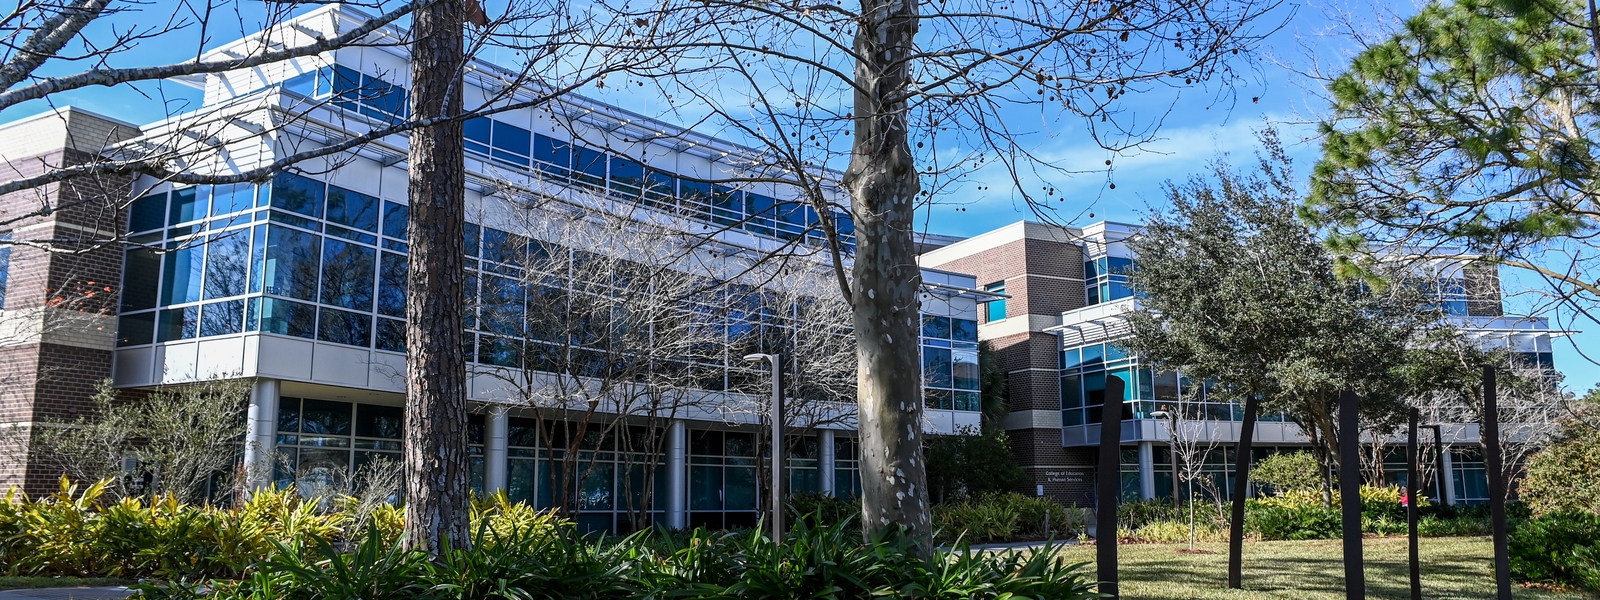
x: 74, y: 593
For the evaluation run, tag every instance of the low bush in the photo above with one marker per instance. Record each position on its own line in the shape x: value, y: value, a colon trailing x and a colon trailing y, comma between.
x: 1006, y: 517
x: 821, y: 510
x: 1134, y: 515
x: 1560, y: 548
x: 1169, y: 532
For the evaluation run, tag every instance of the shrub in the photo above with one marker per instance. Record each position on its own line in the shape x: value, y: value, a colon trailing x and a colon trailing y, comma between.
x: 1288, y: 472
x: 1168, y: 532
x: 1005, y: 517
x: 821, y: 510
x: 1271, y: 520
x: 1565, y: 476
x: 1133, y: 515
x: 1559, y: 547
x: 971, y: 464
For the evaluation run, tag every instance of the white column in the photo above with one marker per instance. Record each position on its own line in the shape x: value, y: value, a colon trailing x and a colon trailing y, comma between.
x: 1448, y: 476
x: 261, y: 434
x: 678, y: 475
x: 494, y: 450
x: 825, y: 462
x: 1147, y: 470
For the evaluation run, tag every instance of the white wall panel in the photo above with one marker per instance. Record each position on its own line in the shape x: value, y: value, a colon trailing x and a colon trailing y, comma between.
x: 284, y: 358
x: 340, y: 365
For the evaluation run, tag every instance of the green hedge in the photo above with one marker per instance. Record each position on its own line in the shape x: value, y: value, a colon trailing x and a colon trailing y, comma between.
x: 1560, y: 548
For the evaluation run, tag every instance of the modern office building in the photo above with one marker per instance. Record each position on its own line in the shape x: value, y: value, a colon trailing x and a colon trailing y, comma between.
x: 297, y: 286
x: 1056, y: 338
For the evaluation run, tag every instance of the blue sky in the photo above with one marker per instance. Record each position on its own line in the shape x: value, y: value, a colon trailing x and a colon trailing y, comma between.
x: 1198, y: 130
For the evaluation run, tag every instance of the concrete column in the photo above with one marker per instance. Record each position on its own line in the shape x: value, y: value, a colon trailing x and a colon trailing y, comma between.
x: 1147, y: 470
x: 494, y: 449
x: 1448, y: 476
x: 261, y: 434
x: 825, y: 462
x: 678, y: 475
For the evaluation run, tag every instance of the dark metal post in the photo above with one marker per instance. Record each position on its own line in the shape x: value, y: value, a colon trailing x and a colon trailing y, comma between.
x: 1413, y: 456
x: 1355, y: 580
x: 1241, y: 484
x: 1438, y: 459
x: 1110, y: 486
x: 1497, y: 484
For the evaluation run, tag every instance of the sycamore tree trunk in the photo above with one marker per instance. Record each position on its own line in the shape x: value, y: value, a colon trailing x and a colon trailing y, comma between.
x: 436, y: 405
x: 883, y: 184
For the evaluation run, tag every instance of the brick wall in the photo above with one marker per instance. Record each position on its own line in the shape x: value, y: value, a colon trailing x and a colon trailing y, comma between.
x: 59, y: 306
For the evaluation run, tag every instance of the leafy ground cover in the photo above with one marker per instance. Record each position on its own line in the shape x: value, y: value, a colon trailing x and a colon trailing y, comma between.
x: 1452, y: 568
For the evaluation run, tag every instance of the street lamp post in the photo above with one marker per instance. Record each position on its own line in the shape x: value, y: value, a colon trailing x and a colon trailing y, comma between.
x: 777, y: 438
x: 1172, y: 449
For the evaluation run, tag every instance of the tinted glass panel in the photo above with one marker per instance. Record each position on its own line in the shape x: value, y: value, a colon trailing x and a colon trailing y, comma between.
x: 178, y: 324
x: 141, y: 274
x: 394, y: 220
x: 347, y: 274
x: 552, y: 151
x: 133, y: 330
x: 285, y: 317
x: 353, y: 209
x: 188, y: 204
x: 511, y: 138
x: 503, y: 247
x: 183, y: 269
x: 935, y: 327
x: 146, y: 213
x: 380, y: 421
x: 325, y: 417
x: 222, y: 318
x: 392, y: 285
x: 340, y: 327
x: 936, y: 367
x: 231, y: 198
x: 290, y: 267
x: 297, y: 194
x: 965, y: 368
x: 391, y: 335
x: 962, y: 330
x: 227, y: 264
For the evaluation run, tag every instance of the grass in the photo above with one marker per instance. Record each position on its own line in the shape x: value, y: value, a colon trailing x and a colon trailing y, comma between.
x: 33, y: 583
x: 1310, y: 570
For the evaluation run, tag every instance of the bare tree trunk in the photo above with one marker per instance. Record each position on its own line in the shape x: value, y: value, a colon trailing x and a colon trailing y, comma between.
x: 883, y: 183
x: 436, y: 404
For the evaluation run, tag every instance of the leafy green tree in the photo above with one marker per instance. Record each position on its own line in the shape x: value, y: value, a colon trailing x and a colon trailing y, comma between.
x: 1289, y: 471
x: 971, y: 463
x: 1471, y: 127
x: 1565, y: 475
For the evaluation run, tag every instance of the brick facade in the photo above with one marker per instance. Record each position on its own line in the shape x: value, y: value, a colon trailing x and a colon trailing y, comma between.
x: 1042, y: 268
x: 57, y: 325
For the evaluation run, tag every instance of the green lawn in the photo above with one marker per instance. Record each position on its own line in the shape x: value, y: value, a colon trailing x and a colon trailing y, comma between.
x: 29, y: 583
x: 1311, y: 570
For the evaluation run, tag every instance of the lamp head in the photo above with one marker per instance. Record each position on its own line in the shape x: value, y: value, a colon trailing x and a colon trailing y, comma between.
x: 1161, y: 414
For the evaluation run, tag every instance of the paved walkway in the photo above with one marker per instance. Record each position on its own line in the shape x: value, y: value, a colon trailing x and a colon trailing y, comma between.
x: 74, y: 593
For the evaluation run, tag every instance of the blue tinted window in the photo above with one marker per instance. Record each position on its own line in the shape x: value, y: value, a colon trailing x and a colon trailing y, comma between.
x: 1071, y: 358
x: 1119, y: 266
x: 395, y: 219
x: 178, y: 324
x: 469, y: 237
x: 503, y: 247
x: 141, y: 272
x: 964, y: 365
x: 627, y: 172
x: 936, y: 367
x: 353, y: 209
x: 962, y: 330
x: 591, y: 162
x: 476, y: 132
x: 661, y: 184
x: 552, y: 151
x: 147, y: 213
x: 1094, y: 356
x: 222, y: 318
x: 227, y: 264
x: 184, y: 267
x: 1089, y: 270
x: 383, y: 99
x: 346, y: 87
x: 502, y: 305
x: 995, y: 310
x: 347, y: 271
x: 231, y: 198
x: 391, y: 335
x: 1114, y: 352
x: 297, y: 194
x: 285, y: 317
x: 727, y: 205
x: 188, y: 204
x: 133, y: 330
x: 392, y: 285
x: 342, y: 327
x: 290, y: 265
x: 1119, y: 290
x: 935, y: 327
